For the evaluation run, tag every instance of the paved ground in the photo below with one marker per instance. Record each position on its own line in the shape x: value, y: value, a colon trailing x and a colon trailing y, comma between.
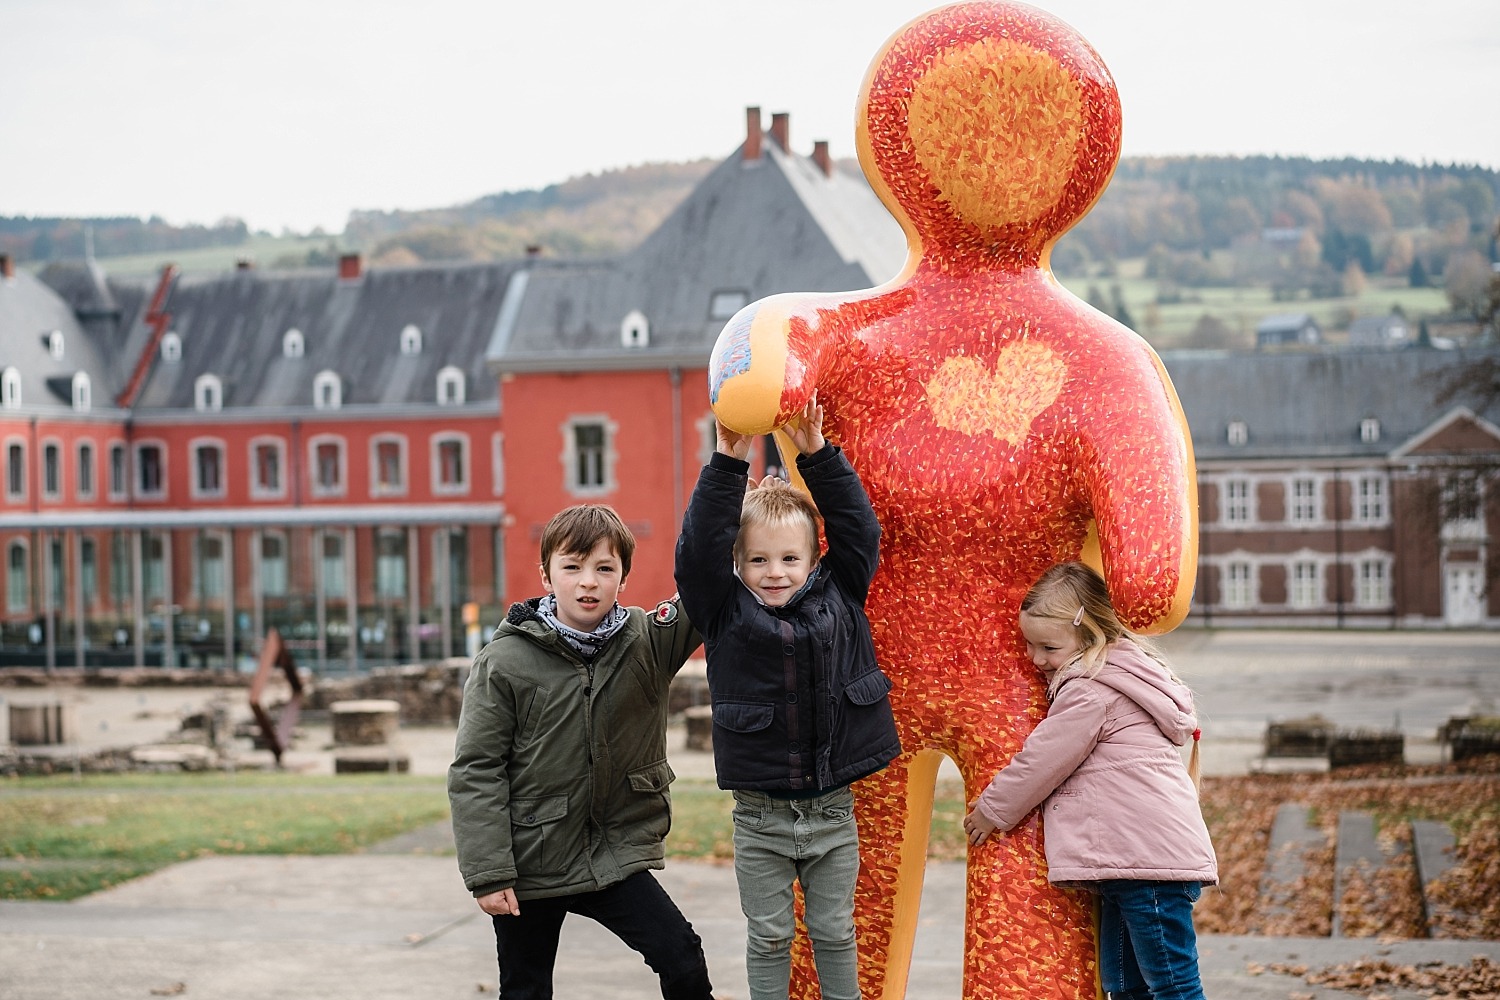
x: 397, y: 923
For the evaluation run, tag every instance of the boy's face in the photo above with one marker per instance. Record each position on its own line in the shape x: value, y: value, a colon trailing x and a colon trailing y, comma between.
x: 586, y: 586
x: 774, y: 560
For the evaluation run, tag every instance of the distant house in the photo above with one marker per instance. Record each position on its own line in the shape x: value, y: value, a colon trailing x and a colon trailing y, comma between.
x: 1287, y: 328
x: 1380, y: 331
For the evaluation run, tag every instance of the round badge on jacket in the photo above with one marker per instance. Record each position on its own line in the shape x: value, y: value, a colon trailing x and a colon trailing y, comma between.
x: 666, y: 613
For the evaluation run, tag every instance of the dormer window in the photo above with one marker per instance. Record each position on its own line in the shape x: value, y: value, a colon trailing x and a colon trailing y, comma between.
x: 450, y: 386
x: 171, y: 347
x: 208, y: 394
x: 1369, y: 430
x: 82, y: 392
x: 10, y: 389
x: 1239, y: 432
x: 411, y: 339
x: 723, y: 305
x: 634, y: 330
x: 55, y: 345
x: 328, y: 391
x: 292, y: 344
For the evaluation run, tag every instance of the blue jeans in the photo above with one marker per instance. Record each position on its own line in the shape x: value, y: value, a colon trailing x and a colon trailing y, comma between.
x: 1148, y: 949
x: 638, y: 911
x: 812, y: 841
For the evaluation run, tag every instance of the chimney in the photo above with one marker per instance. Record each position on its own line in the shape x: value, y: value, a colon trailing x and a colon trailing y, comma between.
x: 7, y: 266
x: 350, y: 267
x: 752, y: 134
x: 781, y: 127
x: 821, y: 158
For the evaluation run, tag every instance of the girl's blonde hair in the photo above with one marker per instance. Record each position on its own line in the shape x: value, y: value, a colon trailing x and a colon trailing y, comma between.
x: 1075, y: 596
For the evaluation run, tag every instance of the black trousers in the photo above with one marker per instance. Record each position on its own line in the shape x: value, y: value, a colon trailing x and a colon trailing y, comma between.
x: 638, y: 911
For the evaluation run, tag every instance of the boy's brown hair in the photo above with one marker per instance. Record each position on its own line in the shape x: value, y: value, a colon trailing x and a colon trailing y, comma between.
x: 576, y: 530
x: 777, y: 502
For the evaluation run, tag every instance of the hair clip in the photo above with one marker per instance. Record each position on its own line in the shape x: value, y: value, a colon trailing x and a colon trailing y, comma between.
x: 1078, y: 618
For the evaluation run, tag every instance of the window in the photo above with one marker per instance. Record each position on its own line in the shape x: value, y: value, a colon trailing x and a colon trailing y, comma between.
x: 83, y: 393
x: 15, y: 471
x: 634, y: 330
x: 497, y: 463
x: 450, y: 472
x: 153, y: 569
x: 1369, y: 499
x: 1369, y: 430
x: 1461, y: 496
x: 328, y: 391
x: 332, y: 565
x: 411, y: 339
x: 150, y: 480
x: 117, y: 477
x: 120, y: 583
x: 390, y: 565
x: 1304, y: 501
x: 292, y: 344
x: 1306, y: 590
x: 587, y: 456
x: 1239, y: 432
x: 450, y: 386
x: 1372, y: 583
x: 724, y: 304
x: 273, y: 576
x: 327, y: 466
x: 389, y: 461
x: 85, y: 470
x: 267, y: 459
x: 208, y: 393
x: 1239, y: 585
x: 17, y: 578
x: 1236, y: 501
x: 209, y: 566
x: 10, y: 389
x: 88, y: 559
x: 55, y: 345
x: 208, y: 470
x: 51, y: 470
x: 171, y: 347
x: 57, y: 573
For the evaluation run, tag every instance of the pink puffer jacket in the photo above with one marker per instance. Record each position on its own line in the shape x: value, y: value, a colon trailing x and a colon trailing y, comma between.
x: 1119, y: 803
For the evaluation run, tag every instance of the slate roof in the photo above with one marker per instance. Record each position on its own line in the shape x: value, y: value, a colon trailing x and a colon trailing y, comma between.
x: 773, y: 224
x: 1311, y: 404
x: 29, y: 311
x: 233, y: 325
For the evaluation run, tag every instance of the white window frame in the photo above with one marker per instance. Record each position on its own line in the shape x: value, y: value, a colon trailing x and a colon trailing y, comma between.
x: 293, y: 344
x: 278, y: 583
x: 55, y: 345
x: 1238, y: 433
x: 171, y: 347
x: 52, y: 452
x: 10, y: 388
x: 438, y: 441
x: 1371, y: 499
x: 208, y: 394
x: 392, y: 568
x: 1369, y: 430
x: 16, y: 472
x: 196, y: 488
x: 635, y: 330
x: 328, y: 390
x: 83, y: 393
x: 1240, y: 579
x: 333, y: 571
x: 411, y: 339
x: 117, y: 487
x: 1372, y: 580
x: 1305, y: 588
x: 571, y: 458
x: 17, y: 584
x: 1236, y: 511
x: 137, y: 467
x: 451, y: 389
x: 497, y: 463
x: 208, y: 574
x: 1304, y: 504
x: 258, y: 489
x: 85, y: 469
x: 403, y: 484
x: 314, y: 469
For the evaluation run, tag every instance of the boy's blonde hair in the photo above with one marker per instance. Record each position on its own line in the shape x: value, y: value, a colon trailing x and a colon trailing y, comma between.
x: 777, y: 502
x: 576, y: 530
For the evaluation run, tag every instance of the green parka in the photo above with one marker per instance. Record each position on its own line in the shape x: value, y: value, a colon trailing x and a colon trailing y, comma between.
x: 559, y: 782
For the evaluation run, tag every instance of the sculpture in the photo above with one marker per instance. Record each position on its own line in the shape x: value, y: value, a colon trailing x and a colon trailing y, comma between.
x: 1000, y: 425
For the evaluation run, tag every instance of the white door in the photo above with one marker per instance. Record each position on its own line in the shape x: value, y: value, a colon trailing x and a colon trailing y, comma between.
x: 1464, y: 601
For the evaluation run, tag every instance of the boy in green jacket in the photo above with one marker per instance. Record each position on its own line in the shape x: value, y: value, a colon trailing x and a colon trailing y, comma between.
x: 559, y: 784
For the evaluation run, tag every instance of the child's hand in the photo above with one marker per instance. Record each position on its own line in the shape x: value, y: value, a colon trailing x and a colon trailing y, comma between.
x: 500, y: 904
x: 977, y: 826
x: 731, y: 443
x: 805, y: 429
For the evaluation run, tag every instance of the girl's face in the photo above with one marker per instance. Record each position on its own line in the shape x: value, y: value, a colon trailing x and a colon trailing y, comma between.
x: 1051, y: 644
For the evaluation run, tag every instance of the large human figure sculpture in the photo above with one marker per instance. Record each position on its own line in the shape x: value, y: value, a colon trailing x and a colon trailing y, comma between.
x: 1000, y: 425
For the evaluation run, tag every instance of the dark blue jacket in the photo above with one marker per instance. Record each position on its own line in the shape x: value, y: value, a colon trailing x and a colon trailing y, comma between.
x: 799, y: 703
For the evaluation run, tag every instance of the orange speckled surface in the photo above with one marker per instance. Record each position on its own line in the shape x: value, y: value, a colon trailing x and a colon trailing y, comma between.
x: 995, y: 420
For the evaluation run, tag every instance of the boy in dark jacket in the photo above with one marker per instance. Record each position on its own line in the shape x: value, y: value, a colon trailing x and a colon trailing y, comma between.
x: 559, y: 785
x: 800, y: 707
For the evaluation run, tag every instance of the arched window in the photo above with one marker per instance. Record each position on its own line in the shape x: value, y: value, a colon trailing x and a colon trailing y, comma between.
x: 208, y: 394
x: 292, y: 344
x: 55, y: 345
x: 171, y: 346
x: 82, y: 392
x: 328, y: 390
x: 1239, y: 432
x: 635, y: 331
x: 450, y: 386
x: 411, y: 339
x: 10, y: 388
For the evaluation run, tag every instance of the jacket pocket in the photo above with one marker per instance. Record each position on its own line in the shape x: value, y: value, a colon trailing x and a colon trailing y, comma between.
x: 652, y: 778
x: 537, y: 833
x: 646, y: 816
x: 868, y: 688
x: 530, y: 715
x: 743, y: 716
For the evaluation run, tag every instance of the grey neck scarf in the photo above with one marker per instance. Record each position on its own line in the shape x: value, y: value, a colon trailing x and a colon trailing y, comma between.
x: 587, y: 644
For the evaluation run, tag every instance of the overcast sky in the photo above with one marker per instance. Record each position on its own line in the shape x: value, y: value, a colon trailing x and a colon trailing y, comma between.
x: 290, y: 113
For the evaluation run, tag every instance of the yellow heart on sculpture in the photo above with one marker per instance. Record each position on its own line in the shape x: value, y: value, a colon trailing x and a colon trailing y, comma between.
x: 969, y: 398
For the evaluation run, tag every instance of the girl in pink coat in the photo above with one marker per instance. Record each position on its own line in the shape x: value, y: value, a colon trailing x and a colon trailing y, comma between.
x: 1120, y: 812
